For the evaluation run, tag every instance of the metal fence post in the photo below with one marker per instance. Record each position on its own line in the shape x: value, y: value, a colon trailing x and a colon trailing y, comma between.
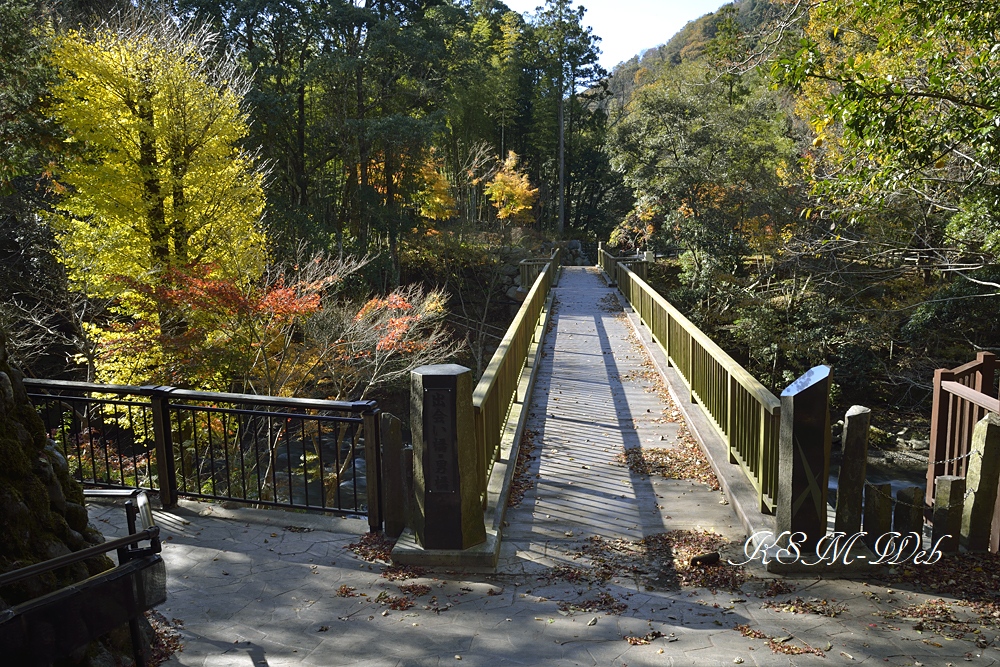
x: 163, y: 439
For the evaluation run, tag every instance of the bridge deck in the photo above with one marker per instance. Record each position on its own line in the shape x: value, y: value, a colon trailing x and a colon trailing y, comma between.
x: 596, y: 396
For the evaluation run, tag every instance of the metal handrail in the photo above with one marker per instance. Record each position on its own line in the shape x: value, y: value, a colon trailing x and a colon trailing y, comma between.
x: 213, y: 445
x: 187, y: 394
x: 152, y: 534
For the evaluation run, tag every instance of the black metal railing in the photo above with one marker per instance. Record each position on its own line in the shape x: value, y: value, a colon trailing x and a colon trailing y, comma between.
x: 265, y: 450
x: 51, y: 627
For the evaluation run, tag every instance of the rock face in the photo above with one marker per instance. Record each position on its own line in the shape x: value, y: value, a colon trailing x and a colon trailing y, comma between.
x: 573, y: 253
x: 42, y: 515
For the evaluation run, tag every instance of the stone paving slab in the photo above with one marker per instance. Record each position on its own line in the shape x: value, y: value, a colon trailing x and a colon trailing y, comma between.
x: 268, y: 597
x: 258, y: 588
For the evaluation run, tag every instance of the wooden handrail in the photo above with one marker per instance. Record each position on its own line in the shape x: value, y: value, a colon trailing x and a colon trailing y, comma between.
x: 737, y: 372
x: 497, y: 388
x: 972, y: 396
x: 961, y: 398
x: 745, y: 413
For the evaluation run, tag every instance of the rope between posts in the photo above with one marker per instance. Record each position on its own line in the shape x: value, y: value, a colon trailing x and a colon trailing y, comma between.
x: 879, y: 491
x: 942, y: 461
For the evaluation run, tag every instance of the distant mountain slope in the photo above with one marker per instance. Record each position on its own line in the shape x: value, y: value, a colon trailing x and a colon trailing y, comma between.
x: 688, y: 44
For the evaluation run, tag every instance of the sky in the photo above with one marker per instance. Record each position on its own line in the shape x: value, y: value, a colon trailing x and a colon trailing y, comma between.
x: 628, y: 27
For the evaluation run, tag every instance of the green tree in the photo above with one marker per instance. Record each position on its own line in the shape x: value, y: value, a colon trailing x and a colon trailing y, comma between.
x: 714, y: 166
x: 905, y: 103
x: 24, y: 76
x: 567, y: 61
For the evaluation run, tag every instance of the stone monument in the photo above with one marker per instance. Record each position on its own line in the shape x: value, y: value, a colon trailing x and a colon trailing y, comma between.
x: 446, y: 479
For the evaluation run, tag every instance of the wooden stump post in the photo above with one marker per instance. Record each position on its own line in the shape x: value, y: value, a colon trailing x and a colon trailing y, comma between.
x: 981, y: 479
x: 877, y: 512
x: 853, y: 464
x: 949, y: 492
x: 804, y: 457
x: 908, y: 514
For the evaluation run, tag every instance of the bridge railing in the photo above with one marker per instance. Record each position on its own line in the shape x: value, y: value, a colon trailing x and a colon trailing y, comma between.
x: 497, y: 389
x: 744, y: 412
x: 962, y: 396
x: 609, y: 262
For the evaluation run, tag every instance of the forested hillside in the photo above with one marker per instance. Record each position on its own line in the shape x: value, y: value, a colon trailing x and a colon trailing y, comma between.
x: 286, y: 197
x: 310, y: 197
x: 826, y: 177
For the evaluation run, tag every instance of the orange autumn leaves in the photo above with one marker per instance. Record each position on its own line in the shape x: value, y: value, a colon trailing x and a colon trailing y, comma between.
x: 292, y: 332
x: 393, y: 317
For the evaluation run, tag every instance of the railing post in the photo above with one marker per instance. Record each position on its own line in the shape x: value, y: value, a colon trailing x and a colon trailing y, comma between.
x: 483, y: 458
x: 939, y: 449
x: 393, y: 487
x: 373, y: 464
x: 449, y: 511
x: 166, y: 472
x: 690, y: 370
x: 731, y: 418
x: 804, y: 457
x: 984, y: 375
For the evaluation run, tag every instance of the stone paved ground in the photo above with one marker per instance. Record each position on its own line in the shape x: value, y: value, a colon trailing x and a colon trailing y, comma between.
x: 268, y: 589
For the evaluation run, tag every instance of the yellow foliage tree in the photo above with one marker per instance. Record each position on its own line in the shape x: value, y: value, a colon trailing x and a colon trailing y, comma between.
x: 434, y: 199
x: 511, y: 193
x: 160, y: 181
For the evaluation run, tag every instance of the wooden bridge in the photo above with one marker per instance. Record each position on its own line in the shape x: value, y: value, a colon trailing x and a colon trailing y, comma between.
x: 349, y: 458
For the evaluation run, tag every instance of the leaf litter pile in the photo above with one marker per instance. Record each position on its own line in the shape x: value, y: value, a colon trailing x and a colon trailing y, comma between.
x: 823, y: 607
x: 649, y: 637
x: 976, y: 575
x: 373, y: 547
x: 604, y: 601
x: 166, y: 637
x: 933, y: 616
x: 779, y: 644
x: 376, y: 548
x: 683, y: 461
x: 522, y: 481
x: 659, y: 561
x: 609, y: 303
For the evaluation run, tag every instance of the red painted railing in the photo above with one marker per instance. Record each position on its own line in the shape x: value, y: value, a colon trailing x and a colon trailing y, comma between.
x: 962, y: 396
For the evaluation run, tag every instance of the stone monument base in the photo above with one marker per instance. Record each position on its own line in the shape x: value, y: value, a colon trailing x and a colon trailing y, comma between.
x: 408, y: 551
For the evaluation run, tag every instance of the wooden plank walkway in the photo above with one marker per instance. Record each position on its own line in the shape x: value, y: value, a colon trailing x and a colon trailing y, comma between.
x: 596, y: 396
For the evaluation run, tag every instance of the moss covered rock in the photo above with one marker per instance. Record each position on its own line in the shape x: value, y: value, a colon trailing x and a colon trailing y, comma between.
x: 42, y: 513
